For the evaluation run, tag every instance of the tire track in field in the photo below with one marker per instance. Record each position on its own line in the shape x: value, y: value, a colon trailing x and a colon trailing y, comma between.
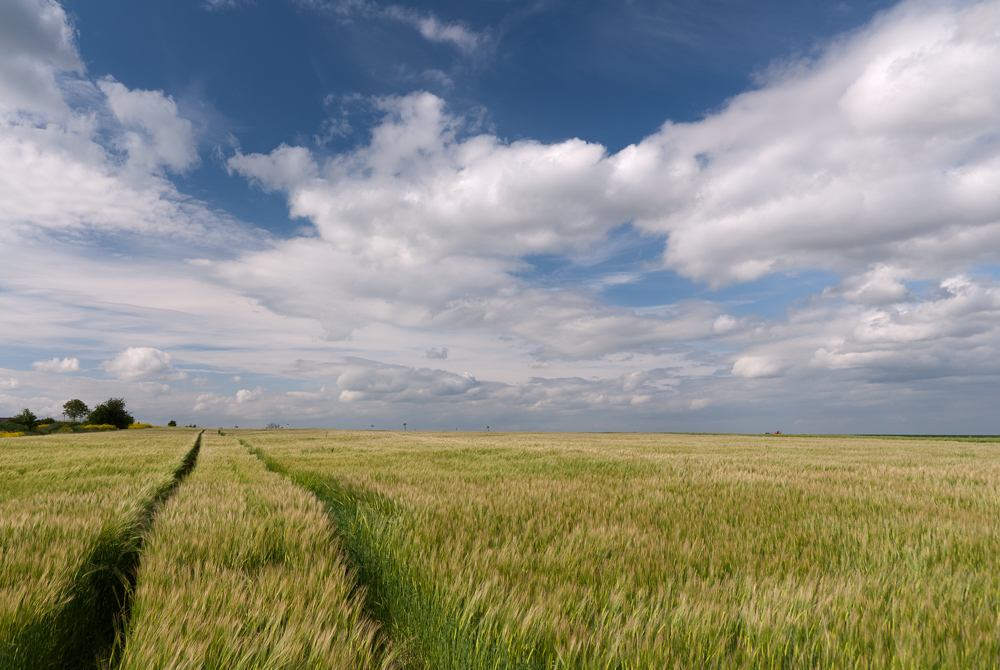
x: 395, y: 595
x: 89, y: 630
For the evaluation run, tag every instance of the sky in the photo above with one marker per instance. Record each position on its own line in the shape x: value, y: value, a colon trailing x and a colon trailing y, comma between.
x: 531, y: 215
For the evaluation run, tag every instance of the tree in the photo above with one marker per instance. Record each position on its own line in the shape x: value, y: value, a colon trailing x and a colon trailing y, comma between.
x: 171, y: 423
x: 75, y: 409
x: 26, y: 418
x: 112, y: 412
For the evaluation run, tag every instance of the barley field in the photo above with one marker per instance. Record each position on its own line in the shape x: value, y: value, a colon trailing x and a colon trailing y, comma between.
x: 72, y: 509
x: 663, y: 551
x: 428, y: 551
x: 242, y: 571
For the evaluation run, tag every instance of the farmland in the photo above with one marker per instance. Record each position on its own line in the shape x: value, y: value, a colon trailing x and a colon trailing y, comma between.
x: 340, y: 549
x: 72, y: 510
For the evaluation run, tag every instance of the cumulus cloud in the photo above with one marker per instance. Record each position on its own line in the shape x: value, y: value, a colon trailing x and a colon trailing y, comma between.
x: 882, y: 150
x: 421, y: 227
x: 155, y: 134
x: 246, y: 395
x: 139, y: 363
x: 847, y: 162
x: 63, y: 138
x: 58, y: 365
x: 878, y: 151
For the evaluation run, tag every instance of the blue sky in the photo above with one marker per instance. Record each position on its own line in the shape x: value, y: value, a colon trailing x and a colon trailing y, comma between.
x: 535, y: 215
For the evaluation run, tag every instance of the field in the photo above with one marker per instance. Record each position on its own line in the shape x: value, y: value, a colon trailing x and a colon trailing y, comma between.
x: 338, y: 549
x: 72, y: 511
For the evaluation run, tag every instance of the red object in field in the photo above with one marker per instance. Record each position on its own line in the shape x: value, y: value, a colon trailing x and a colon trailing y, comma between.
x: 777, y: 432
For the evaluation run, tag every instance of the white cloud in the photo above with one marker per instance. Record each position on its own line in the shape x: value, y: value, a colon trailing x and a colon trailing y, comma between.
x: 434, y: 30
x: 61, y: 138
x: 434, y: 352
x: 10, y: 383
x: 880, y: 151
x: 246, y: 395
x: 431, y: 28
x: 754, y: 367
x: 154, y: 134
x: 36, y: 42
x: 58, y: 365
x: 137, y: 363
x: 426, y: 226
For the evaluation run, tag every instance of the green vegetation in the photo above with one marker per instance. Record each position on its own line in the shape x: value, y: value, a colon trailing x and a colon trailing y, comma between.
x: 653, y: 551
x: 75, y: 409
x: 242, y: 571
x: 73, y: 510
x: 112, y: 412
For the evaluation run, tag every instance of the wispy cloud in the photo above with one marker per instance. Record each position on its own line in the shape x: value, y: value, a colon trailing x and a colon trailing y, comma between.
x: 433, y: 29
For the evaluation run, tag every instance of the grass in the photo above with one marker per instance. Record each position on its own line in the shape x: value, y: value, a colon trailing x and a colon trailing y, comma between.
x: 72, y: 512
x: 242, y: 570
x: 661, y: 551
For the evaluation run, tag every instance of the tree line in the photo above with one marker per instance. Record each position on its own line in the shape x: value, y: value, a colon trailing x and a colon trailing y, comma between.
x: 111, y: 412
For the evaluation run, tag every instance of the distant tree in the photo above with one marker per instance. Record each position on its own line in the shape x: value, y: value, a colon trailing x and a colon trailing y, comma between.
x: 75, y: 409
x: 112, y: 412
x: 26, y: 418
x: 272, y: 425
x: 172, y: 423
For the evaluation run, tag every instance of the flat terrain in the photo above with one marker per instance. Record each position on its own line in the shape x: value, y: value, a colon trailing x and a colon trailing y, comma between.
x: 294, y: 548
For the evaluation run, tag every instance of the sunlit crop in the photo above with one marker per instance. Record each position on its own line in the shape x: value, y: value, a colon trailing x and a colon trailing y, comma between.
x: 70, y: 508
x: 653, y: 551
x: 242, y: 570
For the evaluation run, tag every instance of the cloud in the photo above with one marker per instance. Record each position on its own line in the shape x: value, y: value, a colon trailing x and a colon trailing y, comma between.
x: 246, y: 395
x: 58, y: 365
x: 154, y: 134
x: 431, y: 28
x: 10, y: 383
x: 880, y: 151
x: 138, y: 363
x: 36, y: 42
x: 78, y: 157
x: 433, y: 352
x: 421, y: 227
x: 754, y: 367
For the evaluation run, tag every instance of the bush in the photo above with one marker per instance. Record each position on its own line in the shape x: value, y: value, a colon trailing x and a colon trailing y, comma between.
x: 111, y: 412
x: 12, y: 434
x: 99, y: 426
x: 140, y: 425
x: 172, y: 423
